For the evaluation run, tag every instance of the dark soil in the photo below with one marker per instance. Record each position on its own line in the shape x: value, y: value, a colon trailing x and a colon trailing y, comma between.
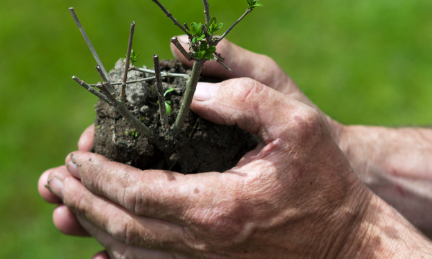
x: 202, y: 146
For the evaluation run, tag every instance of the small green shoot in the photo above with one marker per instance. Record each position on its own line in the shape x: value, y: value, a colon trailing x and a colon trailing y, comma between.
x: 133, y: 132
x: 205, y: 52
x: 195, y: 30
x: 214, y: 26
x: 169, y: 91
x: 134, y: 57
x: 168, y: 107
x: 253, y: 3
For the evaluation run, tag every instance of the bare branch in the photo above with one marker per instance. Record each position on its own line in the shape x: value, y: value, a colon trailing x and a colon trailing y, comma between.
x: 186, y: 26
x: 222, y: 64
x: 129, y: 49
x: 87, y: 40
x: 132, y: 81
x: 234, y: 24
x: 164, y: 74
x: 118, y: 105
x: 110, y: 90
x: 187, y: 97
x: 219, y: 56
x: 206, y: 12
x: 161, y: 98
x: 207, y: 35
x: 176, y: 43
x: 169, y: 15
x: 92, y: 90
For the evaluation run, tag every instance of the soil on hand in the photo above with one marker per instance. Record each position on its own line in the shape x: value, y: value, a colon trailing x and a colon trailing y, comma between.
x: 202, y: 146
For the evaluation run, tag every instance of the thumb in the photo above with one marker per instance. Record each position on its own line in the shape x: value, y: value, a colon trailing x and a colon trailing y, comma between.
x: 252, y: 106
x: 243, y: 63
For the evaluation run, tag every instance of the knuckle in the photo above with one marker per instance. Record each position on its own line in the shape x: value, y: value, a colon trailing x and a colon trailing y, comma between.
x: 244, y: 96
x: 307, y: 123
x: 245, y: 90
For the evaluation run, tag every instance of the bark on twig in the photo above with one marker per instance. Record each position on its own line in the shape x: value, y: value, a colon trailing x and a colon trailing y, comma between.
x: 117, y: 104
x: 208, y: 37
x: 126, y: 70
x: 169, y: 15
x: 182, y: 50
x: 164, y: 74
x: 160, y: 93
x: 207, y: 12
x: 234, y: 24
x: 188, y: 96
x: 87, y: 40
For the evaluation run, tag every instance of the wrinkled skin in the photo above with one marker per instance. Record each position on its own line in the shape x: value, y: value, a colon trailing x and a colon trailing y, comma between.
x: 294, y: 196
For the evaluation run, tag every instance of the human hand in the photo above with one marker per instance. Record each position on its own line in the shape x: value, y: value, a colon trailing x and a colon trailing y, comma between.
x: 295, y: 196
x: 394, y: 162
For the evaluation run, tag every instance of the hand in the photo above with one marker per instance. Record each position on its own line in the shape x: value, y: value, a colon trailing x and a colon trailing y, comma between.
x: 293, y: 196
x: 394, y: 162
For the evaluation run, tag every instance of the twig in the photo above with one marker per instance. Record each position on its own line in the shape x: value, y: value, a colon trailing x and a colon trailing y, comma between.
x: 109, y: 88
x: 176, y: 43
x: 206, y: 12
x: 223, y: 64
x: 92, y: 90
x: 207, y: 35
x: 161, y: 98
x: 118, y: 105
x: 129, y: 49
x: 164, y: 74
x: 186, y: 26
x: 219, y: 56
x: 234, y: 24
x: 187, y: 98
x: 132, y: 81
x: 87, y: 40
x: 169, y: 15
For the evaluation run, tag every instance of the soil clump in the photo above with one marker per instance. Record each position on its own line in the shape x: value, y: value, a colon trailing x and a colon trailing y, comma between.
x: 201, y: 146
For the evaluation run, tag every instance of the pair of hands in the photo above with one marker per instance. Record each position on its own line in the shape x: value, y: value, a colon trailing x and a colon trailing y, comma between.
x: 294, y: 196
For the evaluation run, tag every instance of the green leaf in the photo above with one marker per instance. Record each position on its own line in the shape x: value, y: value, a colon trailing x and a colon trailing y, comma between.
x: 253, y: 3
x: 168, y: 108
x: 209, y: 56
x: 211, y: 49
x: 195, y: 29
x: 169, y: 91
x: 133, y: 56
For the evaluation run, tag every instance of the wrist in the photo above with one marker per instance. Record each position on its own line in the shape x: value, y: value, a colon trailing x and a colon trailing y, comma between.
x: 383, y: 233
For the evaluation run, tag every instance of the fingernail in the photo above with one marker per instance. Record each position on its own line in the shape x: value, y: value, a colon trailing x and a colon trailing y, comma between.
x: 205, y: 91
x: 73, y: 169
x: 56, y: 187
x: 183, y: 39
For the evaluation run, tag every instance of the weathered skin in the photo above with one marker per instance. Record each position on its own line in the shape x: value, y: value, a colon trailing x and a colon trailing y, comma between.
x: 298, y: 195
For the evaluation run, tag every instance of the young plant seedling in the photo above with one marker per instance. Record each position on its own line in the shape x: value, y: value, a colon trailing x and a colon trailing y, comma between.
x: 202, y: 48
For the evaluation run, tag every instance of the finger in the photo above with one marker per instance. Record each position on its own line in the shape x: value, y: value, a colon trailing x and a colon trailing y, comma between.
x: 118, y: 249
x: 154, y: 193
x: 255, y: 108
x: 122, y: 225
x: 42, y: 187
x: 85, y: 142
x: 66, y: 222
x: 243, y: 63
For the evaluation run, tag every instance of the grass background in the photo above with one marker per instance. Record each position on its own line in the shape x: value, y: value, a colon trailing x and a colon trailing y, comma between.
x: 362, y: 62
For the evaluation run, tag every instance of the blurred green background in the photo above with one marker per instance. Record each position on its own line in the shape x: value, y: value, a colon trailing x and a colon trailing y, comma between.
x: 362, y: 62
